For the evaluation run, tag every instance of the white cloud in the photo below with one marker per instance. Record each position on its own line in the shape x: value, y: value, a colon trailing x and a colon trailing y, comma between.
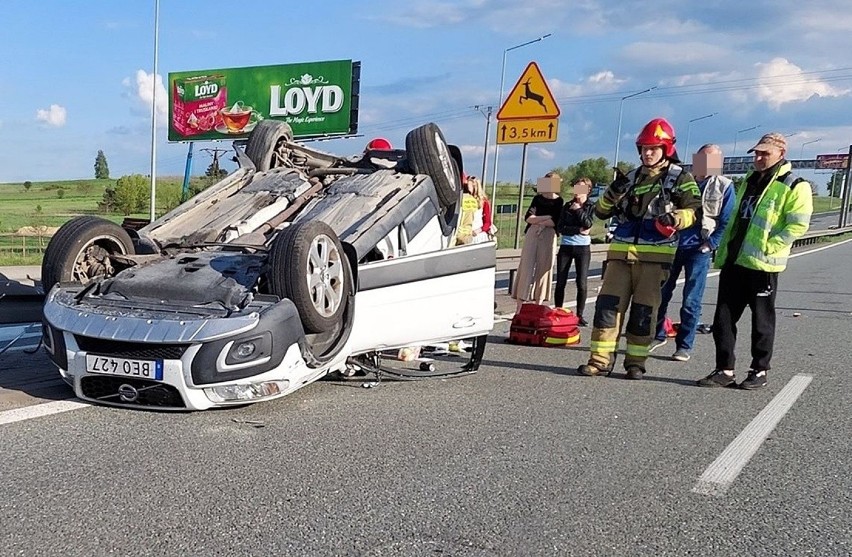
x: 427, y: 15
x: 54, y: 116
x: 143, y: 91
x: 693, y: 53
x: 603, y: 81
x: 543, y: 154
x: 476, y: 150
x: 784, y: 82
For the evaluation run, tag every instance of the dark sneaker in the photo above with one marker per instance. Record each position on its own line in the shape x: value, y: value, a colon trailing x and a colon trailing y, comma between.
x: 755, y: 380
x: 656, y: 343
x: 718, y: 379
x: 592, y: 371
x: 634, y: 372
x: 583, y: 322
x: 680, y: 355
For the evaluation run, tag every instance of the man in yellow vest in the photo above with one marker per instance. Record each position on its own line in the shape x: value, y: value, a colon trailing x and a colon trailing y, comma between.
x: 772, y: 208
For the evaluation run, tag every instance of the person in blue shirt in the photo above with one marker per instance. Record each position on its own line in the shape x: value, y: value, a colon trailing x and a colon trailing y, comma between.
x: 695, y: 250
x: 575, y: 245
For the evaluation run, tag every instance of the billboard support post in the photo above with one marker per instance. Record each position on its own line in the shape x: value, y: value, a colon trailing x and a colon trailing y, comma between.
x: 184, y: 192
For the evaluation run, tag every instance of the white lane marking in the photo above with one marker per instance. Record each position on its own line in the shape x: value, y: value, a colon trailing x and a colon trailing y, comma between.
x: 40, y: 410
x: 832, y: 245
x: 719, y: 476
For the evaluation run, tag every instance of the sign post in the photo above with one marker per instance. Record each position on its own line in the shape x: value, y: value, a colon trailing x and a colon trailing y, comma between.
x: 520, y: 197
x: 844, y: 195
x: 528, y: 115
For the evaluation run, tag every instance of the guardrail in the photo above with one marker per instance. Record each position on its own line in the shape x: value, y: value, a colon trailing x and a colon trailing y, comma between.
x: 508, y: 259
x: 815, y: 236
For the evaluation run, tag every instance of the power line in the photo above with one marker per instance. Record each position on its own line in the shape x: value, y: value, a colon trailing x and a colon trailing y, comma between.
x: 720, y: 86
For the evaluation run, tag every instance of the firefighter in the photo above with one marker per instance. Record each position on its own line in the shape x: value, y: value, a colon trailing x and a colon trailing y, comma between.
x: 650, y: 204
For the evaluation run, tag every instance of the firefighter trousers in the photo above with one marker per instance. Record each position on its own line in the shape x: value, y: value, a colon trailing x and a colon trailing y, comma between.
x: 632, y: 284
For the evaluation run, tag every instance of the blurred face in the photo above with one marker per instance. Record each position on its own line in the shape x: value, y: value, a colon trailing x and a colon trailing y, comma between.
x: 651, y: 155
x: 581, y: 191
x: 707, y: 162
x: 764, y: 159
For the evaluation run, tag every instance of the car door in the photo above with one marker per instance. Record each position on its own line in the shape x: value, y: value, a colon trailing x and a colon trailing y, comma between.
x: 420, y: 299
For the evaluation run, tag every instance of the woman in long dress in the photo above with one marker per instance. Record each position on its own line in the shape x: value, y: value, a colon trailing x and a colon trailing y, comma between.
x: 535, y: 270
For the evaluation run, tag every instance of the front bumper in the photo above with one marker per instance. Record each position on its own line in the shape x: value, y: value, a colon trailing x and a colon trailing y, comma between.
x: 202, y: 362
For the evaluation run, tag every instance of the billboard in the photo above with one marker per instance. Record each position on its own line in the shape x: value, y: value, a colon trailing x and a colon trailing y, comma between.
x: 317, y: 99
x: 833, y: 161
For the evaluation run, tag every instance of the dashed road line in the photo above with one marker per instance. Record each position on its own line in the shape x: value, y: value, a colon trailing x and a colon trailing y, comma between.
x: 40, y: 410
x: 719, y: 476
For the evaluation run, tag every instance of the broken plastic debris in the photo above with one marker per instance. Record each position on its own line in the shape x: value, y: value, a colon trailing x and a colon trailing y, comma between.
x: 796, y: 314
x: 249, y: 422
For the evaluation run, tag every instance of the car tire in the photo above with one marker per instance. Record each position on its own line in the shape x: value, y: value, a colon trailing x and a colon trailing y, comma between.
x: 264, y: 140
x: 429, y: 154
x: 78, y: 250
x: 308, y: 266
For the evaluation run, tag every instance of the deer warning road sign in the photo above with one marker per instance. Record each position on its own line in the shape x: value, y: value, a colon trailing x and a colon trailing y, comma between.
x: 530, y: 98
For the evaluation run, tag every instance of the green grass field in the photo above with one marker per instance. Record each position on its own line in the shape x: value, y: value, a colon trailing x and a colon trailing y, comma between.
x: 19, y: 208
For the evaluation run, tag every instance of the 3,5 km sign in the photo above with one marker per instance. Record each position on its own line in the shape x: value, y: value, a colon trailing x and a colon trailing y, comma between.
x: 527, y: 131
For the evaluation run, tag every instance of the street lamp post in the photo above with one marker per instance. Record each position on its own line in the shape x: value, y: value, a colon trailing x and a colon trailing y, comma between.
x: 802, y: 152
x: 500, y: 104
x: 620, y: 114
x: 737, y: 135
x: 689, y: 128
x: 487, y: 115
x: 154, y: 113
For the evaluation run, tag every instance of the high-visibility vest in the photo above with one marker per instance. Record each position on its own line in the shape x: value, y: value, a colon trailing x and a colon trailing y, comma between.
x: 782, y: 214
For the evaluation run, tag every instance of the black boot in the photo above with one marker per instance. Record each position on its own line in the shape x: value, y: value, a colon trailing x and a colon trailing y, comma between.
x: 634, y: 372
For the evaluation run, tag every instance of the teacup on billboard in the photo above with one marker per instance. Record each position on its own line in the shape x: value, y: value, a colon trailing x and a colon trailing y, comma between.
x: 238, y: 118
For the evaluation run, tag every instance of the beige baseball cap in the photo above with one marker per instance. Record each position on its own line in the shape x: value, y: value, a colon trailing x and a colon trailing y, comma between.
x: 769, y: 142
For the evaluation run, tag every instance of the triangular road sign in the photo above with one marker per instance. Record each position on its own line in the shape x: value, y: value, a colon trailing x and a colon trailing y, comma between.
x: 529, y: 98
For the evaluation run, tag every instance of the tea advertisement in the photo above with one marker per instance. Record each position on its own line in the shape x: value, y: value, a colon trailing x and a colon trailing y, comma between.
x: 316, y: 98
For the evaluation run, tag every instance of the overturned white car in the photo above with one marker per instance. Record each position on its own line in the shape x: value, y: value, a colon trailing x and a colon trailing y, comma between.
x: 270, y: 279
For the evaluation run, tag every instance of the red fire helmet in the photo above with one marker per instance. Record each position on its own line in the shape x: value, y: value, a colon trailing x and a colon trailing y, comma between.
x: 379, y: 144
x: 658, y: 132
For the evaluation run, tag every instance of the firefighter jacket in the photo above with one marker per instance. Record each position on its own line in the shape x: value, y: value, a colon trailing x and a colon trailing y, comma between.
x: 646, y: 196
x: 781, y: 214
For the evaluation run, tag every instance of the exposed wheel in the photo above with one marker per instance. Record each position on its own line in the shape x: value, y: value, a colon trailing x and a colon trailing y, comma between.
x: 80, y: 250
x: 263, y: 143
x: 429, y: 154
x: 308, y: 266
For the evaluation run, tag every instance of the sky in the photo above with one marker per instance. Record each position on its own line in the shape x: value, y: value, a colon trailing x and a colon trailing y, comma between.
x: 77, y: 76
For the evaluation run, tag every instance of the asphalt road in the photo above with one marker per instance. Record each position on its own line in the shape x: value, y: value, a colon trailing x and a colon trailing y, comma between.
x: 522, y: 458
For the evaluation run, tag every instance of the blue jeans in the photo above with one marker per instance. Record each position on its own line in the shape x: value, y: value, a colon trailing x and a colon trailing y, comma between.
x: 695, y: 266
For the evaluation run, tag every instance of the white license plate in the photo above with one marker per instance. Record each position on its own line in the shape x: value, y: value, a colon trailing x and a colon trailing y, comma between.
x: 143, y: 369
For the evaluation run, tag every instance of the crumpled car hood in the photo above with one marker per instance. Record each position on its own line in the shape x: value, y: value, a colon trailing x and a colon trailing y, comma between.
x: 194, y: 279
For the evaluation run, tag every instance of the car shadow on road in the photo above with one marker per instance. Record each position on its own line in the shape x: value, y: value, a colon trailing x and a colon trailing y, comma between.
x: 572, y: 370
x: 32, y: 374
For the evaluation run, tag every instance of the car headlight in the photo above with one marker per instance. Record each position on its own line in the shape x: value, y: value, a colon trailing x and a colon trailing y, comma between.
x: 246, y: 391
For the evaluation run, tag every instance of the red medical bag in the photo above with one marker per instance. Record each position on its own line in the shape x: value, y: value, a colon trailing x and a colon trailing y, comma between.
x: 541, y: 325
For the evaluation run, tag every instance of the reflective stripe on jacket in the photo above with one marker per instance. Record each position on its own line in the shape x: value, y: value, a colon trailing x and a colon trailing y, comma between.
x: 635, y: 237
x: 782, y: 214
